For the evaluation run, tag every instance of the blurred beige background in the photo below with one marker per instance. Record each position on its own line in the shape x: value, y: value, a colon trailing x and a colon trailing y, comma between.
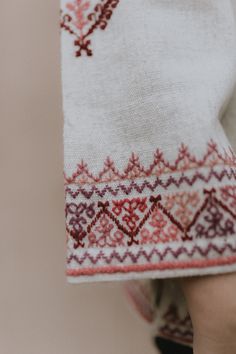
x: 39, y: 312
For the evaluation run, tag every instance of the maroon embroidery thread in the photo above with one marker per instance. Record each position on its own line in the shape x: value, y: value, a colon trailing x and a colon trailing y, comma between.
x: 81, y: 24
x: 108, y: 259
x: 177, y: 327
x: 185, y: 161
x: 142, y: 221
x: 140, y: 218
x: 140, y: 187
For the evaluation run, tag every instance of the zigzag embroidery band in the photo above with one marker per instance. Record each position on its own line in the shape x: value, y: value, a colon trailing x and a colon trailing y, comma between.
x: 171, y: 215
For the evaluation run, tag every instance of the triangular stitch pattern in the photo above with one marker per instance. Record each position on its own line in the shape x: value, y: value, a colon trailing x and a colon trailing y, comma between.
x: 101, y: 191
x: 213, y: 219
x: 185, y: 161
x: 177, y: 327
x: 175, y: 216
x: 150, y: 225
x: 147, y: 255
x: 113, y: 226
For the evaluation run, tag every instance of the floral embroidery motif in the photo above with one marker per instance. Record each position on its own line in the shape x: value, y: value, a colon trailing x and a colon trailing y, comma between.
x: 214, y: 219
x: 161, y: 230
x: 81, y: 22
x: 228, y: 195
x: 106, y: 239
x: 79, y: 216
x: 141, y: 218
x: 182, y: 205
x: 142, y: 221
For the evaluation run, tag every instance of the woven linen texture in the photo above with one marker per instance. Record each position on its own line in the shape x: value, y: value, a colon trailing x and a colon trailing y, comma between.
x: 150, y: 176
x: 149, y: 173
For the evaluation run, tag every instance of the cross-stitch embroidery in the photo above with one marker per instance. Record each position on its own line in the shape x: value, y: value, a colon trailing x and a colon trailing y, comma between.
x: 177, y: 328
x: 81, y: 22
x: 123, y: 225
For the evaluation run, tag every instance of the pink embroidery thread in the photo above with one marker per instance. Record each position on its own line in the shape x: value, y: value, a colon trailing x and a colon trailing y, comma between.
x: 81, y: 24
x: 185, y: 161
x: 142, y: 221
x: 157, y: 266
x: 118, y: 218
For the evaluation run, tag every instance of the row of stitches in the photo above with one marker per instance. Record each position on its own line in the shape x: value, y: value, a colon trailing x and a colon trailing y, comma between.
x: 153, y: 258
x: 88, y: 192
x: 134, y: 169
x: 181, y: 216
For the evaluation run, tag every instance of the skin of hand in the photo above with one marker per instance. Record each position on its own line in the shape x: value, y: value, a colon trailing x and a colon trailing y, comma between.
x: 212, y: 306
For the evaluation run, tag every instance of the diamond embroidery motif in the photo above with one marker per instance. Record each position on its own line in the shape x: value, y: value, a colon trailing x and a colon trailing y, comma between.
x: 213, y: 219
x: 154, y: 215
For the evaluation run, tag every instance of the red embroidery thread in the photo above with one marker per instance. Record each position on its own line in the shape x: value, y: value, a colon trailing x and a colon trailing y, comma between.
x: 185, y: 161
x: 81, y: 24
x: 137, y: 223
x: 125, y: 222
x: 111, y: 269
x: 176, y: 327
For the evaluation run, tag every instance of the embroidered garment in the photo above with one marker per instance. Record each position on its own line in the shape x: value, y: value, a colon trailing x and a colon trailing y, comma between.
x: 161, y: 303
x: 150, y: 176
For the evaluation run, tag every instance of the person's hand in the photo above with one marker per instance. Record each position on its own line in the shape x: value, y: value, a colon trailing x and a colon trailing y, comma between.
x: 212, y: 306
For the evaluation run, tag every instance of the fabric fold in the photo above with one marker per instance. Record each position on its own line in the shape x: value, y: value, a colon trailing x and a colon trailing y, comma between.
x: 150, y: 175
